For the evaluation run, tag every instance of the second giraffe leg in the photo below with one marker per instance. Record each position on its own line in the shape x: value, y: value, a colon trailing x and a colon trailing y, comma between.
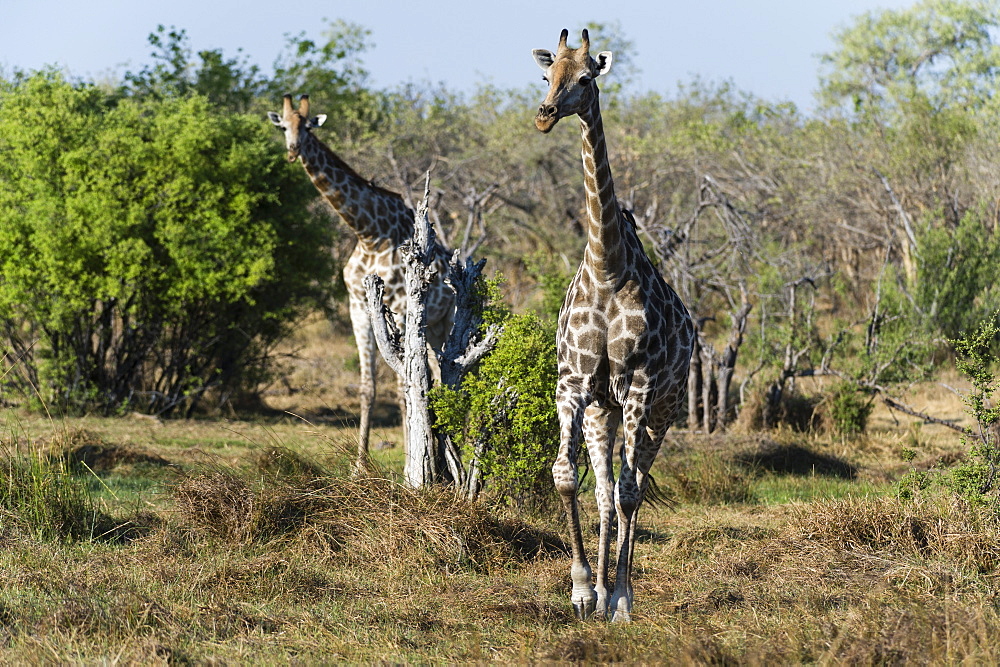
x: 638, y: 452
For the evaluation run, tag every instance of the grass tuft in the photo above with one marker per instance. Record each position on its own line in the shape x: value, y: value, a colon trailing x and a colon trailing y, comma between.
x: 373, y: 520
x: 928, y: 529
x: 42, y: 498
x: 705, y: 479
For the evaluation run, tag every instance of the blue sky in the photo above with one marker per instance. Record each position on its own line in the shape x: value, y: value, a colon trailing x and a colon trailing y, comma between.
x: 766, y: 47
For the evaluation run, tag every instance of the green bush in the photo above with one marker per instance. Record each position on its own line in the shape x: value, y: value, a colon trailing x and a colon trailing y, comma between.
x: 150, y: 250
x: 849, y: 409
x: 504, y: 416
x: 976, y: 479
x: 956, y: 277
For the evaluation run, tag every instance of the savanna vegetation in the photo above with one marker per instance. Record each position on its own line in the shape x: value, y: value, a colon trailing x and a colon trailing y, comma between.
x: 177, y: 381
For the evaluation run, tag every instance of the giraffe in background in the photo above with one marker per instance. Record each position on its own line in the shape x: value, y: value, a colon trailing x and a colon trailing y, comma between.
x: 383, y: 223
x: 624, y: 344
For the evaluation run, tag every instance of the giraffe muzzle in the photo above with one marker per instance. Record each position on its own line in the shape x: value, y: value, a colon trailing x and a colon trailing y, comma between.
x: 547, y: 117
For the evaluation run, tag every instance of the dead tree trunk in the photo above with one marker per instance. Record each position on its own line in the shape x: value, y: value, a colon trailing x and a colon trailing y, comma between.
x: 794, y: 350
x: 406, y: 353
x: 726, y: 364
x: 430, y: 459
x: 694, y: 386
x: 711, y: 374
x: 707, y: 385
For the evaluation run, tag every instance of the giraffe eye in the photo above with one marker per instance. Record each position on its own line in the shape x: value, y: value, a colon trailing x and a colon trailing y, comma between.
x: 585, y: 80
x: 545, y: 79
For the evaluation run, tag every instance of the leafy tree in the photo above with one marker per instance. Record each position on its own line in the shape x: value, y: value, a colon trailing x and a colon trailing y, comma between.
x: 150, y: 250
x: 331, y: 72
x: 956, y: 277
x: 233, y: 84
x: 917, y: 85
x: 939, y: 52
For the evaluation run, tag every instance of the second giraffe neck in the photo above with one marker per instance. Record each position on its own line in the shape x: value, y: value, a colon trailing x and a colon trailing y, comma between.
x: 373, y: 213
x: 604, y: 243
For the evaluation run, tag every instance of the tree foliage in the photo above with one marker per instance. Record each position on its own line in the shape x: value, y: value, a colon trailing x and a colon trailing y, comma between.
x: 149, y: 249
x: 894, y: 182
x: 937, y: 52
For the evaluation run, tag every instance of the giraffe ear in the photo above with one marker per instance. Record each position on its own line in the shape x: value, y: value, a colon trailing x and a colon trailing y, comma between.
x: 317, y: 121
x: 544, y: 58
x: 275, y: 118
x: 603, y: 62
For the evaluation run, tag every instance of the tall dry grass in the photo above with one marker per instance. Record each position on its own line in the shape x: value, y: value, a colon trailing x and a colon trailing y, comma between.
x: 372, y: 520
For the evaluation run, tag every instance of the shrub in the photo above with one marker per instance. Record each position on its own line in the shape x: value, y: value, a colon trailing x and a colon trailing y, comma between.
x: 956, y: 278
x: 795, y: 410
x: 150, y: 250
x: 849, y: 410
x: 504, y: 416
x: 975, y: 479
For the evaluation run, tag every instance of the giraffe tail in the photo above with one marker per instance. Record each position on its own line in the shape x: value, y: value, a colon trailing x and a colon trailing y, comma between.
x: 655, y: 496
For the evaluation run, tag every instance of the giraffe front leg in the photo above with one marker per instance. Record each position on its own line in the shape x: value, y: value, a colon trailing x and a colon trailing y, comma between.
x: 564, y: 475
x: 365, y: 340
x: 599, y: 427
x: 626, y: 500
x: 637, y: 458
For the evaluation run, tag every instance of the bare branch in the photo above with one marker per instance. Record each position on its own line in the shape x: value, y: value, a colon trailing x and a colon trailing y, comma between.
x: 387, y: 335
x: 893, y: 404
x: 903, y: 216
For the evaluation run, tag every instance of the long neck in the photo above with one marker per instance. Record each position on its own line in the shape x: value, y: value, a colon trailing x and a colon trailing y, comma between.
x: 373, y: 213
x: 604, y: 242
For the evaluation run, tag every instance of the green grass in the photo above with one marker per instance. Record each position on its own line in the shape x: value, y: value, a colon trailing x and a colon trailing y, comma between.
x: 142, y: 483
x: 772, y: 489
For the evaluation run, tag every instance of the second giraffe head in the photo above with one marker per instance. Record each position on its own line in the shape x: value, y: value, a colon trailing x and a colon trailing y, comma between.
x: 295, y: 124
x: 570, y: 74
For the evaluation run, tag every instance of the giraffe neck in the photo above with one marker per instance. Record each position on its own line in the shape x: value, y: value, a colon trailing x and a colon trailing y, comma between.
x: 604, y: 251
x: 373, y: 213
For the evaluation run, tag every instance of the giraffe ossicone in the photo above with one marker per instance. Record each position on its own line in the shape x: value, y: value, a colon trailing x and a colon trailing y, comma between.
x: 624, y: 345
x: 383, y: 223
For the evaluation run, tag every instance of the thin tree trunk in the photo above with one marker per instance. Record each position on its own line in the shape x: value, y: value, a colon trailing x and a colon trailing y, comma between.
x: 406, y: 354
x: 706, y: 387
x: 694, y: 387
x: 727, y: 364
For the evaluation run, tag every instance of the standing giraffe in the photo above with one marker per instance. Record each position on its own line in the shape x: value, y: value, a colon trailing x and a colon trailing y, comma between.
x: 624, y: 345
x: 383, y: 223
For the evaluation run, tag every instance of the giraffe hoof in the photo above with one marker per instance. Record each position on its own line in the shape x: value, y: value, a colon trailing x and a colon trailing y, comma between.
x: 585, y: 608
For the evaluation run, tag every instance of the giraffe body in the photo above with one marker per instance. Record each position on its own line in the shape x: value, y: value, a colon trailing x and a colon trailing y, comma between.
x: 624, y: 346
x: 383, y: 223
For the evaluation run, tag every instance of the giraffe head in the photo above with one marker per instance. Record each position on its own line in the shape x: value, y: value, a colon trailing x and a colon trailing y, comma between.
x: 570, y: 74
x: 295, y: 124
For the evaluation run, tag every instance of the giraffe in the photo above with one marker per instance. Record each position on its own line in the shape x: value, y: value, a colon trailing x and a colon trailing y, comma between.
x: 624, y: 343
x: 383, y: 223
